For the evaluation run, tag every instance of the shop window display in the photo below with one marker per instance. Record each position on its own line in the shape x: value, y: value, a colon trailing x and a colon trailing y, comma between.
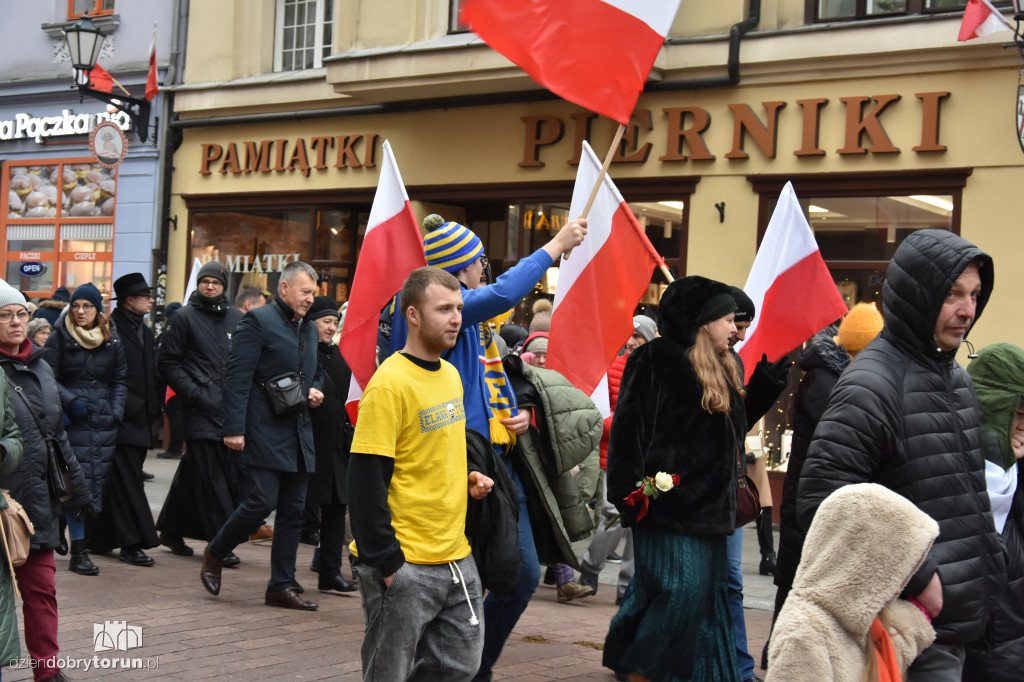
x: 59, y: 214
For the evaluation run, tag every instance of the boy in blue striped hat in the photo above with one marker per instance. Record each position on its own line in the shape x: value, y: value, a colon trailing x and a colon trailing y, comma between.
x: 488, y: 397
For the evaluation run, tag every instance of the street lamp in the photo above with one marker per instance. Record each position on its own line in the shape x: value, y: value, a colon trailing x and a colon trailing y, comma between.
x: 84, y: 42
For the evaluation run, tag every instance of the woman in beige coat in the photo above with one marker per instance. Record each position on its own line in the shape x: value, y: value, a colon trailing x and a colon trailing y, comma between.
x: 863, y: 546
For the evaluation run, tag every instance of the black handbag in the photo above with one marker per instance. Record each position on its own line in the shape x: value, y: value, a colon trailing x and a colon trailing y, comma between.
x: 285, y: 393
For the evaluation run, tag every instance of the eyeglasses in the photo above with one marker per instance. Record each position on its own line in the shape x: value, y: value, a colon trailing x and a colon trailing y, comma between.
x: 485, y: 261
x: 82, y: 307
x: 210, y: 283
x: 6, y: 316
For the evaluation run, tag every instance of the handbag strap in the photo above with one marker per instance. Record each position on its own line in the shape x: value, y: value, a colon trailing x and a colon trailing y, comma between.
x: 31, y: 409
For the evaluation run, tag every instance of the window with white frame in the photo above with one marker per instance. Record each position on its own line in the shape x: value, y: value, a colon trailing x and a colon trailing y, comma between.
x: 303, y: 34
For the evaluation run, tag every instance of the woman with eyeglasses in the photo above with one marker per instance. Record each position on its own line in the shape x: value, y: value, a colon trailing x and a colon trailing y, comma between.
x: 90, y: 367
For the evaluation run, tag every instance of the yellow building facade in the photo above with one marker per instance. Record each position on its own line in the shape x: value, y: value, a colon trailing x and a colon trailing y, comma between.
x: 885, y: 125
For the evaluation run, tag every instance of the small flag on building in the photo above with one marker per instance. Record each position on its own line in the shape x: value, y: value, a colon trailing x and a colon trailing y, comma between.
x: 981, y: 18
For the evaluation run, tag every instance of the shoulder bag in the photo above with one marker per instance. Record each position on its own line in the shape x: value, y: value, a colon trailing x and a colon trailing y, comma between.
x: 284, y: 392
x: 748, y: 501
x: 17, y: 531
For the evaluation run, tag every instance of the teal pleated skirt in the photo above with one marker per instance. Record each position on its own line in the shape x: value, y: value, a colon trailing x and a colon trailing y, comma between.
x: 674, y: 622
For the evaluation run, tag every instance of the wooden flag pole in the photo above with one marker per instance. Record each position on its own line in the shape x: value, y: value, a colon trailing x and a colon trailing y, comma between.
x: 597, y: 187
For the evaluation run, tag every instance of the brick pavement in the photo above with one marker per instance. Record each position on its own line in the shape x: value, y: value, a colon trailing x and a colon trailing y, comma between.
x: 190, y: 635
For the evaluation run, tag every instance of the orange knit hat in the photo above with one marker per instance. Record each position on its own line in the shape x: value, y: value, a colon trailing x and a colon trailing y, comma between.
x: 860, y: 325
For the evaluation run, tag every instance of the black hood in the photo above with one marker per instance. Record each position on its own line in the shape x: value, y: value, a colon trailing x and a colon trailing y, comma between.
x: 679, y: 311
x: 823, y: 351
x: 921, y: 273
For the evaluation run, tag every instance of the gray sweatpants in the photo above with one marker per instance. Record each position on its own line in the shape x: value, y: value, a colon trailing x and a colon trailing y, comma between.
x: 420, y: 628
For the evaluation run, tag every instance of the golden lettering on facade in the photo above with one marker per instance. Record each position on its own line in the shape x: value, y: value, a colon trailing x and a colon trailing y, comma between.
x: 685, y: 128
x: 353, y: 151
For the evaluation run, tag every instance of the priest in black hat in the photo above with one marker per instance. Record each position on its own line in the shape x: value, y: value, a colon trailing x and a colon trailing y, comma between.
x: 126, y: 520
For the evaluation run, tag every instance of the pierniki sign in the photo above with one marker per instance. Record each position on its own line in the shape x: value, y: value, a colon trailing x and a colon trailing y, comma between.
x: 25, y: 126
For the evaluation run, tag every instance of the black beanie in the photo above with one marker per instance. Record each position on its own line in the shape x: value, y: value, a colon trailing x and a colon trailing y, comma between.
x: 745, y: 309
x: 215, y: 270
x: 322, y: 307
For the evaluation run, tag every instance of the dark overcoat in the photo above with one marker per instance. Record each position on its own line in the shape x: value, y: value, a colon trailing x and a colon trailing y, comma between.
x: 143, y: 404
x: 268, y: 342
x: 192, y: 359
x: 332, y: 430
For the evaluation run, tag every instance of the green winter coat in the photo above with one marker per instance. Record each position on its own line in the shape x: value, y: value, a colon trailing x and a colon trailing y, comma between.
x: 10, y: 440
x: 567, y: 433
x: 998, y: 374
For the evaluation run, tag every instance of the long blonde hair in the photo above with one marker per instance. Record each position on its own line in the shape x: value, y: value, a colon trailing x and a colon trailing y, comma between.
x: 716, y: 371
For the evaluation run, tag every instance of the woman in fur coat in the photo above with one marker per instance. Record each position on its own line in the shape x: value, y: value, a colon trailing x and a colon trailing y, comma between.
x: 844, y: 620
x: 679, y: 414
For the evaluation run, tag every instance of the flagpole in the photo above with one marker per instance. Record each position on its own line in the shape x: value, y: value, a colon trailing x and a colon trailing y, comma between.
x: 597, y: 187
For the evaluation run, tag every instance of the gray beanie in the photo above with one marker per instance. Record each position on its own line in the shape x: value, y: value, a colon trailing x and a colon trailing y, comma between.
x: 36, y: 325
x: 10, y: 295
x: 645, y: 327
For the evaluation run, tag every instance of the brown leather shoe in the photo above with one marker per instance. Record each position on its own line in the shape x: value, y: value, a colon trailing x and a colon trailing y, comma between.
x: 262, y: 533
x: 210, y: 572
x: 288, y: 599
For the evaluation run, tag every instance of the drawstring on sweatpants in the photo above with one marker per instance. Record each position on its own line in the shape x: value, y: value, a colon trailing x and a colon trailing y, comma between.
x: 456, y: 579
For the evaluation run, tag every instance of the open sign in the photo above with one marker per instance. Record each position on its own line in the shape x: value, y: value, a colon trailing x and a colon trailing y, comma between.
x: 32, y: 269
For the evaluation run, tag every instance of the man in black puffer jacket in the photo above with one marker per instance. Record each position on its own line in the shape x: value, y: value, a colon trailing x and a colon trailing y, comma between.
x: 905, y: 415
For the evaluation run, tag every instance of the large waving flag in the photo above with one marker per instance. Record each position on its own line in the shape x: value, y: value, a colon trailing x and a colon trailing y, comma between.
x: 790, y: 286
x: 982, y: 18
x: 595, y: 53
x: 599, y: 285
x: 392, y: 248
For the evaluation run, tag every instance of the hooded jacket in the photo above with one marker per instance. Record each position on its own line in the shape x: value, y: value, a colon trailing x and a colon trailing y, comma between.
x: 998, y: 374
x: 567, y: 433
x: 659, y: 425
x: 863, y: 546
x: 822, y: 362
x: 904, y: 414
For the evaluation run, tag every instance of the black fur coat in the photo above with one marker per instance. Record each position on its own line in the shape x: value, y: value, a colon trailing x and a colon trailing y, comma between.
x: 659, y: 425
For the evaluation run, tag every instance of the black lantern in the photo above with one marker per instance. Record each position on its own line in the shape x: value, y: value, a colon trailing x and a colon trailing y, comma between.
x: 84, y: 41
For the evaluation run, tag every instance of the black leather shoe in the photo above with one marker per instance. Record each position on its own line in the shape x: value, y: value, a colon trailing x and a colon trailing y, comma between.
x: 335, y: 584
x: 209, y: 574
x: 169, y: 454
x: 287, y: 599
x: 311, y: 537
x: 299, y: 589
x: 135, y: 557
x: 231, y: 561
x: 146, y: 476
x: 80, y: 562
x: 176, y: 545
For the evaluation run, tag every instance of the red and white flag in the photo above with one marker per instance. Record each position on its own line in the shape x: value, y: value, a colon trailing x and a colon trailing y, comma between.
x: 151, y: 87
x: 791, y: 287
x: 100, y: 79
x: 982, y: 18
x: 595, y: 53
x: 599, y: 286
x: 392, y: 248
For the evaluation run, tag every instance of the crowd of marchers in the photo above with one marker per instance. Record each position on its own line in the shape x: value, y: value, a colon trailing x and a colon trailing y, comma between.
x: 473, y: 467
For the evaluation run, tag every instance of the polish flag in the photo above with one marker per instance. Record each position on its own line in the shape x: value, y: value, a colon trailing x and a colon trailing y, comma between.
x: 981, y: 18
x: 599, y: 285
x: 151, y: 86
x: 792, y: 290
x: 100, y: 79
x: 392, y: 248
x: 594, y: 53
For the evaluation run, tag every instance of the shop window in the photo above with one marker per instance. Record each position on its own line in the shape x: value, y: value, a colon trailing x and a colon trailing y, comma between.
x: 304, y: 34
x: 842, y: 10
x: 858, y: 220
x: 94, y: 8
x: 58, y: 224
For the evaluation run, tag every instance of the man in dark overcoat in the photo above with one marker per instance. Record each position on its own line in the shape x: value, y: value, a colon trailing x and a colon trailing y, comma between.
x: 276, y: 449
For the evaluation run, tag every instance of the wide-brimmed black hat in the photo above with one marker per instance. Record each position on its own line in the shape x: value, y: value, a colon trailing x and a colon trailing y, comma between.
x: 132, y: 284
